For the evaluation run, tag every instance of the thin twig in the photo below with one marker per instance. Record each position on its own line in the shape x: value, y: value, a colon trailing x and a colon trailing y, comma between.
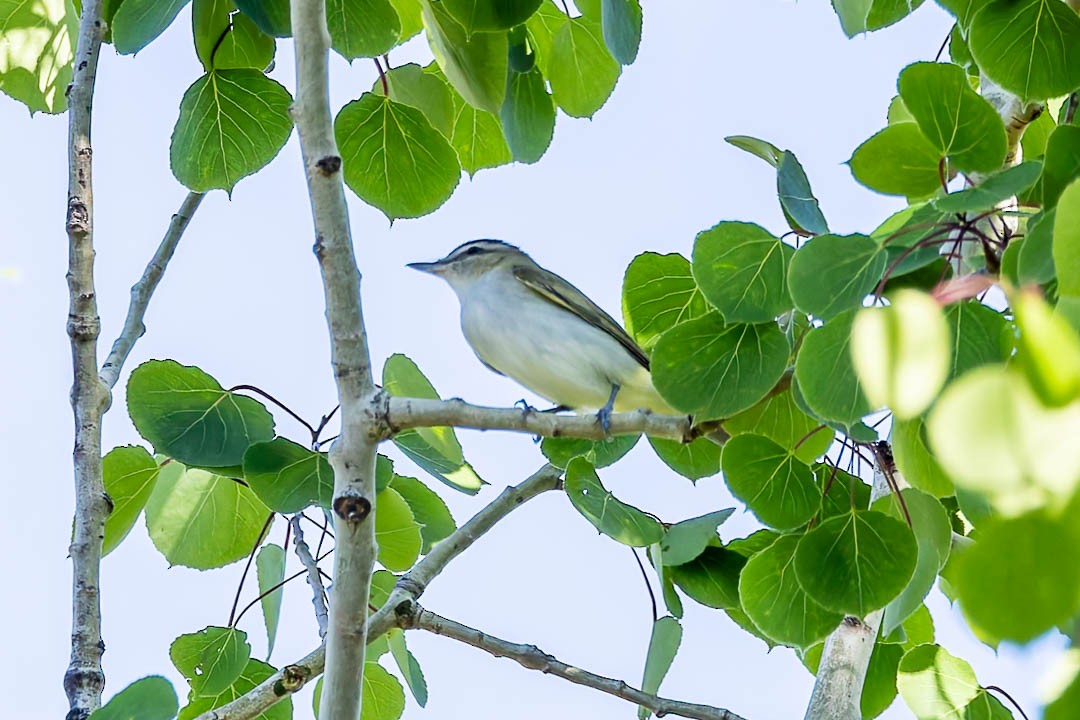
x: 247, y: 568
x: 533, y: 658
x: 275, y: 586
x: 90, y: 397
x: 262, y: 393
x: 648, y: 585
x: 143, y: 290
x: 318, y: 592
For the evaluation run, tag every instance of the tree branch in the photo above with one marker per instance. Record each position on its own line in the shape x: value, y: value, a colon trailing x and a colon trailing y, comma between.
x: 411, y: 585
x: 533, y: 658
x: 144, y: 289
x: 84, y: 679
x: 314, y: 579
x: 353, y: 454
x: 401, y: 413
x: 846, y: 656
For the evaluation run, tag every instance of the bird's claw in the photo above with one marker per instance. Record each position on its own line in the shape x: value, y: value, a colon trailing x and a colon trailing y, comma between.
x: 526, y: 408
x: 603, y: 417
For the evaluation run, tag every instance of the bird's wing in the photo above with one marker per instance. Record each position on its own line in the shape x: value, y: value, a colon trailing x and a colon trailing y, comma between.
x: 562, y: 293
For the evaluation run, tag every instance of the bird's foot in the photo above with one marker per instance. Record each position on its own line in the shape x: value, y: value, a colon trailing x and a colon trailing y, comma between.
x: 603, y: 415
x: 526, y: 408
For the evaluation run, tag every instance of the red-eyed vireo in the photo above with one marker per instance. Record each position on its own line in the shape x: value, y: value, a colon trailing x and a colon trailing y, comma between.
x: 530, y: 324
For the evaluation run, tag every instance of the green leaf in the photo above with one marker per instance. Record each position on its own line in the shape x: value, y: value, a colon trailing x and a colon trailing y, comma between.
x: 435, y: 449
x: 37, y: 44
x: 762, y: 148
x: 621, y: 20
x: 396, y: 531
x: 841, y: 492
x: 201, y: 520
x: 232, y: 123
x: 599, y: 453
x: 992, y: 190
x: 436, y: 522
x: 955, y: 119
x: 933, y: 535
x: 775, y: 601
x: 362, y: 28
x: 981, y: 336
x: 901, y: 352
x: 779, y: 418
x: 408, y: 666
x: 410, y: 14
x: 211, y: 659
x: 475, y: 65
x: 992, y: 436
x: 898, y: 160
x: 858, y: 16
x: 797, y: 200
x: 1061, y: 165
x: 187, y: 415
x: 659, y: 292
x: 129, y: 473
x: 778, y: 488
x: 224, y: 39
x: 527, y: 115
x: 610, y: 516
x: 694, y: 460
x: 741, y: 269
x: 1029, y: 260
x: 488, y: 15
x: 712, y: 578
x: 149, y: 698
x: 272, y: 16
x: 382, y: 698
x: 541, y: 29
x: 393, y: 158
x: 253, y: 674
x: 477, y: 137
x: 288, y: 477
x: 713, y: 370
x: 935, y: 684
x: 916, y: 462
x: 1047, y: 349
x: 1029, y: 47
x: 833, y: 273
x: 663, y: 644
x: 856, y: 563
x: 580, y: 69
x: 1067, y: 704
x: 426, y: 91
x: 987, y: 707
x: 1021, y: 577
x: 879, y: 685
x: 270, y: 569
x: 138, y: 22
x: 684, y: 541
x: 825, y: 373
x: 1066, y: 247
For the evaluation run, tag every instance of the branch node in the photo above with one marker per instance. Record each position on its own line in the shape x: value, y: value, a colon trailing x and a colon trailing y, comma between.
x: 293, y: 677
x: 329, y: 164
x: 351, y: 506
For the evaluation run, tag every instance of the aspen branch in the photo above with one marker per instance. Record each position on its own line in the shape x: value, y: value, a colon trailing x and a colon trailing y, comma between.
x: 401, y: 413
x: 84, y: 679
x: 353, y: 454
x: 314, y: 579
x: 846, y: 656
x: 533, y: 658
x: 141, y: 292
x: 409, y: 587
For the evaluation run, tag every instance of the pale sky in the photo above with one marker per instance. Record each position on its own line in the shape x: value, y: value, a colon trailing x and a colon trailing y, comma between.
x: 243, y: 301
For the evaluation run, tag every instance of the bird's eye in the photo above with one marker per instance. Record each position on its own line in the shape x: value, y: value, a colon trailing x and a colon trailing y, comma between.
x: 473, y: 251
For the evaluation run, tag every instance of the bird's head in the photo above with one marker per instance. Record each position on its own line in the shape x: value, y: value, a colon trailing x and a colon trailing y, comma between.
x: 471, y: 261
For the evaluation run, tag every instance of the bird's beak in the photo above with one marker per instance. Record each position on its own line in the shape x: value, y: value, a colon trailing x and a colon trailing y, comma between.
x: 428, y: 267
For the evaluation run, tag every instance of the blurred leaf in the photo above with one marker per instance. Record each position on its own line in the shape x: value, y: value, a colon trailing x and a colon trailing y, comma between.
x: 934, y: 684
x: 1066, y: 247
x: 915, y: 461
x: 1047, y: 350
x: 38, y: 46
x: 271, y: 16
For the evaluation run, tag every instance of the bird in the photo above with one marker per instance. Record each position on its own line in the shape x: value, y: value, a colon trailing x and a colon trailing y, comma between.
x: 529, y: 324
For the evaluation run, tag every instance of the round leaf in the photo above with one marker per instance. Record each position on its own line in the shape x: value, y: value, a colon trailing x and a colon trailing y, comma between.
x: 742, y: 269
x: 362, y: 28
x: 622, y: 28
x: 934, y: 684
x: 201, y: 520
x: 288, y: 477
x: 224, y: 39
x: 776, y: 487
x: 428, y: 509
x: 712, y: 578
x: 694, y: 460
x: 474, y: 64
x: 713, y: 370
x: 856, y: 563
x: 825, y: 373
x: 1021, y: 577
x: 580, y: 69
x: 211, y: 659
x: 396, y: 531
x: 129, y: 474
x: 779, y: 418
x: 659, y: 292
x: 610, y: 516
x: 773, y: 599
x: 901, y: 352
x: 600, y: 453
x: 187, y: 415
x: 137, y: 23
x: 232, y: 123
x: 834, y: 273
x: 150, y: 698
x: 527, y: 115
x: 253, y: 674
x: 899, y: 160
x: 393, y: 158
